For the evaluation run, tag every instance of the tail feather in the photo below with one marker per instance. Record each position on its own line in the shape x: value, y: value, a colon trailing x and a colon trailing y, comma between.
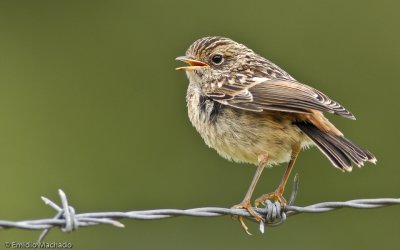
x: 339, y: 150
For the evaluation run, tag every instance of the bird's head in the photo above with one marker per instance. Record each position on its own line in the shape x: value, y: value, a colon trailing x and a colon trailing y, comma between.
x: 217, y: 59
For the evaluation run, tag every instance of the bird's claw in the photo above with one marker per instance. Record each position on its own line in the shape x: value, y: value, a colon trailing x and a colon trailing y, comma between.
x: 275, y: 196
x: 252, y: 212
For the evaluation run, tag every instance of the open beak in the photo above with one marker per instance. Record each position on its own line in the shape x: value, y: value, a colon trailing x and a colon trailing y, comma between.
x: 194, y: 64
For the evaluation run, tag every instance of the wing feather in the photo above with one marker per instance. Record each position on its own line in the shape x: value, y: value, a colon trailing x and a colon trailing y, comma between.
x: 278, y: 95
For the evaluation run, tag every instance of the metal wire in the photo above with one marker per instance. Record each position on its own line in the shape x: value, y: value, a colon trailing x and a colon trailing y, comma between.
x: 273, y: 213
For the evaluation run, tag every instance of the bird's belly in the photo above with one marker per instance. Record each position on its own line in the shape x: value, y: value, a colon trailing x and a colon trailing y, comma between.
x: 234, y: 142
x: 242, y: 136
x: 245, y: 150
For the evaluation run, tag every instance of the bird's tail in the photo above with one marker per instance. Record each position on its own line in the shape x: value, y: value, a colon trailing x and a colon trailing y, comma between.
x: 339, y: 150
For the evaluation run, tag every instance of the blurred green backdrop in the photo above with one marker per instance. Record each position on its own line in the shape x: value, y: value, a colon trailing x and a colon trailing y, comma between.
x: 90, y: 103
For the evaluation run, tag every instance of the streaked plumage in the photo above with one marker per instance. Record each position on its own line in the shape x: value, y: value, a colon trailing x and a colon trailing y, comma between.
x: 250, y: 82
x: 246, y: 107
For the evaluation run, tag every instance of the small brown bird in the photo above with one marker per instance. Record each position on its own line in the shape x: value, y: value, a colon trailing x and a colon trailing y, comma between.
x: 250, y: 110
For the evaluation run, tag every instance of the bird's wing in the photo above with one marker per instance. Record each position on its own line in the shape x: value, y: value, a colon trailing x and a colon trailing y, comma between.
x: 278, y: 95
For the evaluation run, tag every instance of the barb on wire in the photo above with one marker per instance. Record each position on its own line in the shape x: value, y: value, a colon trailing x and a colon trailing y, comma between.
x: 274, y: 214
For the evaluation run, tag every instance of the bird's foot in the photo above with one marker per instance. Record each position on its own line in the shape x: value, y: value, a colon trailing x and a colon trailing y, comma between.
x: 246, y: 205
x: 275, y: 196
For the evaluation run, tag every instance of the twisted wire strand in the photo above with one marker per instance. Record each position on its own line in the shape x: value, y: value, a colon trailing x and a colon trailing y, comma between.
x: 273, y: 213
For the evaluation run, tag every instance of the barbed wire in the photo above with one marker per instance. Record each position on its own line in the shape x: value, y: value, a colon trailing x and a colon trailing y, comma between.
x: 273, y: 213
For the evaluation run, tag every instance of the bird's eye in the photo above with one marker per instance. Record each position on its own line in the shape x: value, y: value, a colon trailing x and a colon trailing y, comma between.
x: 217, y: 59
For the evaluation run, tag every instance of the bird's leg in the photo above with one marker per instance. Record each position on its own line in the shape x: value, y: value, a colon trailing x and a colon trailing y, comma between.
x: 277, y: 194
x: 262, y: 161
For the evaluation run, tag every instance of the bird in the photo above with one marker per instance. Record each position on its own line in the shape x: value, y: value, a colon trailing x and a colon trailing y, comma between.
x: 251, y: 111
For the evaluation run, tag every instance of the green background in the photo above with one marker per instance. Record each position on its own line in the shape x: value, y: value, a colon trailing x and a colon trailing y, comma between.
x: 90, y: 103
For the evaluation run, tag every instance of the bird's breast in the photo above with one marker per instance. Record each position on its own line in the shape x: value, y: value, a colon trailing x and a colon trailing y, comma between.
x: 241, y: 135
x: 203, y: 112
